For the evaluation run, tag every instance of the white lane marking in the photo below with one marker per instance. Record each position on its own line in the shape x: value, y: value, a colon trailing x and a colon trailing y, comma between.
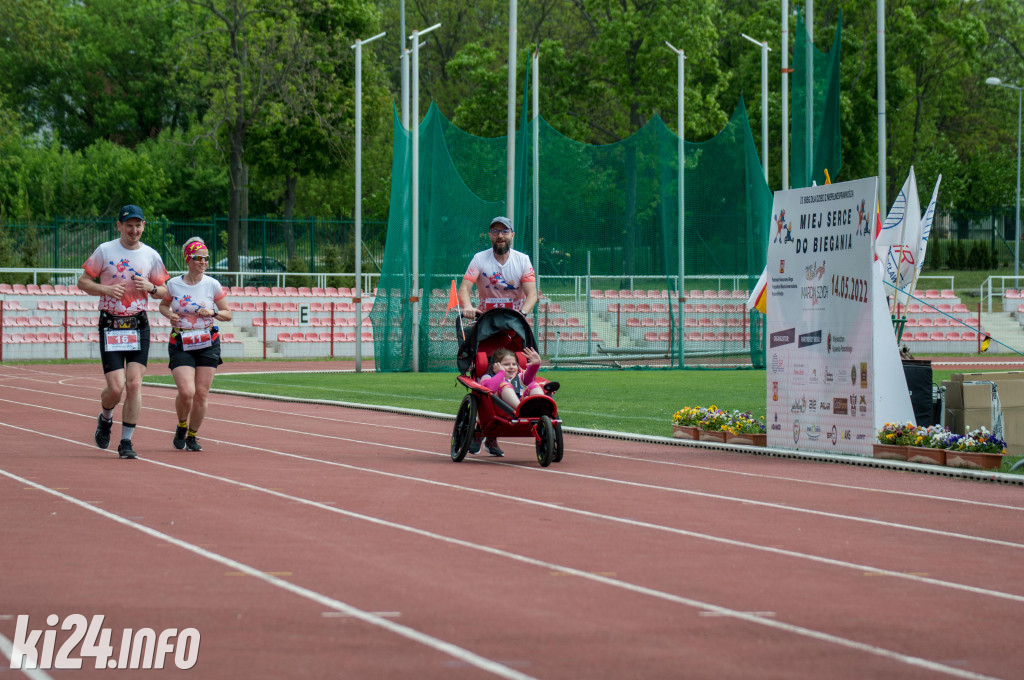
x: 465, y: 655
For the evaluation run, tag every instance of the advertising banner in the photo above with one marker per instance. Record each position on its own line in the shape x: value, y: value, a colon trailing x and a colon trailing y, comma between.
x: 820, y: 377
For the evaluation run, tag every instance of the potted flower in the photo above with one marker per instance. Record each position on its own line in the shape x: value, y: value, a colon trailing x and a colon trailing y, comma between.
x: 744, y: 428
x: 713, y: 424
x: 686, y: 423
x: 977, y: 450
x: 893, y: 440
x: 926, y: 445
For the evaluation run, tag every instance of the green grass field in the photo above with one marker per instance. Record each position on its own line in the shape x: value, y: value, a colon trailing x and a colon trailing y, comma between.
x: 640, y: 402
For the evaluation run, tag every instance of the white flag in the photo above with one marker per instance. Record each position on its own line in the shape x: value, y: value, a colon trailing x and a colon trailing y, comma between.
x: 897, y: 244
x: 926, y: 225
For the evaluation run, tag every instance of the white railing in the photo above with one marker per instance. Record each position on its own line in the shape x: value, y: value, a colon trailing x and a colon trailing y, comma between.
x: 996, y: 286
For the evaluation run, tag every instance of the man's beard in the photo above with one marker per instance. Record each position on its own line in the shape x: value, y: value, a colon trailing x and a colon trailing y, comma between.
x: 500, y: 248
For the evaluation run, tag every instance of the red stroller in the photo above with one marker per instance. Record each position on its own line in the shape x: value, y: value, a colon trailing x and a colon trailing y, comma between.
x: 483, y: 413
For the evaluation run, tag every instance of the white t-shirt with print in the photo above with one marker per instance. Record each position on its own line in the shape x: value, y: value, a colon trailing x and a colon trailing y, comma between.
x: 112, y: 263
x: 186, y: 300
x: 500, y: 285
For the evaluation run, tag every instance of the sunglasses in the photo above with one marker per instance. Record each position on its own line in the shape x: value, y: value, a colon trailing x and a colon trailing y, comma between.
x: 201, y: 258
x: 501, y: 232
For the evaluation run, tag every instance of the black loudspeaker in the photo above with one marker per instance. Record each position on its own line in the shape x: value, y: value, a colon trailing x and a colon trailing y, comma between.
x: 919, y: 381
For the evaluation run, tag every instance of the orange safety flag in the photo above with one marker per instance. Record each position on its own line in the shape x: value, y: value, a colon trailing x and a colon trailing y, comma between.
x: 453, y: 298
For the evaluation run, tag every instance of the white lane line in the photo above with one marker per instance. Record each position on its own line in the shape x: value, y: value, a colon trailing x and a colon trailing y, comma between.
x: 750, y: 617
x: 412, y: 634
x: 7, y: 649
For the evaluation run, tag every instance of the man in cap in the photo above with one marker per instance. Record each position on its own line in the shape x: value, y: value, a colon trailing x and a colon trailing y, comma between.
x: 504, y: 278
x: 129, y: 272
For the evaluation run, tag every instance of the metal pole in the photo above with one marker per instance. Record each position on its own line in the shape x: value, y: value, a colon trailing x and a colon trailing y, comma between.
x: 403, y: 58
x: 1016, y: 239
x: 785, y: 94
x: 764, y: 101
x: 809, y: 79
x: 681, y: 151
x: 358, y: 210
x: 510, y: 158
x: 414, y: 298
x: 536, y: 168
x: 880, y: 29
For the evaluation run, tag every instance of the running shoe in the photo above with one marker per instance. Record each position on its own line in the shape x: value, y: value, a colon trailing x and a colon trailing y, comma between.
x: 125, y: 450
x: 192, y: 445
x: 179, y: 437
x: 102, y: 435
x: 492, y: 447
x: 474, y: 446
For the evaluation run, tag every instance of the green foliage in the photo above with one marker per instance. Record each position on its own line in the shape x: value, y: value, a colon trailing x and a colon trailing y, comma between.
x: 334, y: 261
x: 298, y: 265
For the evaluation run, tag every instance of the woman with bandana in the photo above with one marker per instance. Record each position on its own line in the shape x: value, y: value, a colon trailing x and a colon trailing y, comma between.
x: 193, y: 304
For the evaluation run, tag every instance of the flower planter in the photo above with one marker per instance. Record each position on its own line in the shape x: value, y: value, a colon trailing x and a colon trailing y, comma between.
x: 713, y: 435
x: 925, y: 455
x: 748, y: 438
x: 686, y: 432
x: 974, y: 460
x: 889, y: 451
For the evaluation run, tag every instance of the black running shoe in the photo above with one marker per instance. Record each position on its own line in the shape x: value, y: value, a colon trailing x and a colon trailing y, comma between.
x: 492, y: 447
x: 192, y: 444
x: 102, y: 435
x: 124, y: 449
x: 474, y: 446
x: 179, y: 437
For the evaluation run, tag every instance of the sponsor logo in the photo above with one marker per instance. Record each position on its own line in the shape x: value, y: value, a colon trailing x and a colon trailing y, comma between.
x: 799, y: 374
x: 833, y: 435
x: 864, y: 375
x: 853, y: 404
x: 814, y: 293
x: 847, y: 435
x: 776, y: 426
x: 775, y: 390
x: 853, y: 375
x: 813, y: 432
x: 812, y: 405
x: 863, y: 405
x: 808, y: 339
x: 796, y: 431
x: 777, y: 364
x: 782, y: 266
x: 840, y: 406
x: 829, y: 376
x: 861, y: 437
x: 814, y: 376
x: 838, y: 344
x: 825, y: 405
x: 799, y: 406
x: 785, y: 337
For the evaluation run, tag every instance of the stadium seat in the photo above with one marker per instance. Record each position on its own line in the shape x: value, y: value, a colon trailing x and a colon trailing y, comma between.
x: 277, y: 291
x: 6, y: 289
x: 937, y: 336
x: 305, y: 292
x: 263, y: 291
x: 651, y: 336
x: 953, y: 336
x: 284, y: 337
x: 947, y: 294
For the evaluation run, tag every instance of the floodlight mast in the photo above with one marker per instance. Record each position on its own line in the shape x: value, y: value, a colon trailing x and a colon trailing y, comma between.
x: 681, y: 119
x: 764, y: 101
x: 414, y: 294
x: 358, y: 210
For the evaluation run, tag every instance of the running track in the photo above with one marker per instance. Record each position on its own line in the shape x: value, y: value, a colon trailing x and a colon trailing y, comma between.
x: 312, y: 541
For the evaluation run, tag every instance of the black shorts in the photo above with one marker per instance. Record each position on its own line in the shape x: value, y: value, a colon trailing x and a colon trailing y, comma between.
x: 207, y: 356
x: 116, y: 361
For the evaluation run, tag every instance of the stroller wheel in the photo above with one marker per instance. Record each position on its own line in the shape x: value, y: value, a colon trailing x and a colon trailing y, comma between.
x: 465, y: 423
x: 546, y: 441
x: 559, y: 446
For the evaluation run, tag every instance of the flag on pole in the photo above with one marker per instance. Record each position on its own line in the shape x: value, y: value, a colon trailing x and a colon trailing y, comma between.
x: 897, y: 243
x: 926, y: 224
x: 453, y: 298
x: 759, y: 296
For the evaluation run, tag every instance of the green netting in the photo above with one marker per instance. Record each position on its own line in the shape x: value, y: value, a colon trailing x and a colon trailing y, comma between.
x: 604, y: 243
x: 827, y: 144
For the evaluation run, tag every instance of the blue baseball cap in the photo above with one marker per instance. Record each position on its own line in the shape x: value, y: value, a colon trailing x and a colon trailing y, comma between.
x: 130, y: 211
x: 504, y: 221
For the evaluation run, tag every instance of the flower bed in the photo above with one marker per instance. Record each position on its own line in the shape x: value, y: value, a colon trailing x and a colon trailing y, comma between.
x: 712, y: 424
x: 935, y: 445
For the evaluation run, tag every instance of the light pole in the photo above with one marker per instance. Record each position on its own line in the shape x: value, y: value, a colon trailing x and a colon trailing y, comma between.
x: 1016, y: 233
x: 764, y: 101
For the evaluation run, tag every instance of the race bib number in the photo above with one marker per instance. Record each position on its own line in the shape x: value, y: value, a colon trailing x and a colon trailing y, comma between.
x: 200, y: 338
x: 498, y: 303
x: 116, y: 340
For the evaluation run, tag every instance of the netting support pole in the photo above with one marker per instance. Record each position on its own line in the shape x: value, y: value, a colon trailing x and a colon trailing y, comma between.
x: 809, y: 82
x: 358, y: 210
x: 404, y: 68
x: 414, y: 297
x: 510, y: 158
x: 681, y: 118
x: 536, y: 168
x: 880, y: 30
x: 785, y: 94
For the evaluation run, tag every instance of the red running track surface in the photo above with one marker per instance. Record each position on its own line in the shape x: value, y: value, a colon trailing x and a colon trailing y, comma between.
x: 319, y: 542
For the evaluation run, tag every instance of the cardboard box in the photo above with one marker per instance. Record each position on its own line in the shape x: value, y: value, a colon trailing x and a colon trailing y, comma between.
x: 969, y: 406
x: 1010, y: 384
